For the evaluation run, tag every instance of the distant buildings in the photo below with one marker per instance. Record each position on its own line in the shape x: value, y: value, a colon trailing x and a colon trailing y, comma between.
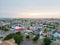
x: 4, y: 23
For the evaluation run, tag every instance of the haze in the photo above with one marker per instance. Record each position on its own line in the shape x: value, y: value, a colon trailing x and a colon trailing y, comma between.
x: 29, y: 8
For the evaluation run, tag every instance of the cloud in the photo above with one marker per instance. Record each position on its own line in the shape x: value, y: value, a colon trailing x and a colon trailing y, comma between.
x: 30, y: 8
x: 39, y: 15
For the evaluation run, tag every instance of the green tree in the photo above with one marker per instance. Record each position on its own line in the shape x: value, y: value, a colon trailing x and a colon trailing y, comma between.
x: 36, y: 37
x: 16, y: 36
x: 4, y: 28
x: 10, y: 36
x: 18, y: 33
x: 18, y: 39
x: 27, y: 37
x: 47, y: 41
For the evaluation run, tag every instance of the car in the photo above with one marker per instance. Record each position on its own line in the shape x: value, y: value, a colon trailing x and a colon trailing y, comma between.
x: 1, y: 37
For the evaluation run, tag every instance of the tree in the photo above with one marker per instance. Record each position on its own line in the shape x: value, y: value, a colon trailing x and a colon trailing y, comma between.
x: 18, y: 33
x: 27, y: 37
x: 36, y: 37
x: 47, y: 41
x: 16, y: 36
x: 18, y: 39
x: 4, y: 28
x: 10, y: 36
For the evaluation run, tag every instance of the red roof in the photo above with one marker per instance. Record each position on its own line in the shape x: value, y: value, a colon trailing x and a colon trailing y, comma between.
x: 19, y: 28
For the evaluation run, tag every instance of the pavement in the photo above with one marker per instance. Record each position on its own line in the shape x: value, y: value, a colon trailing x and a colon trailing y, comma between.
x: 40, y: 42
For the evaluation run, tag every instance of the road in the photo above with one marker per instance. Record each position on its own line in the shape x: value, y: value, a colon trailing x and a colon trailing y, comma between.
x: 29, y: 42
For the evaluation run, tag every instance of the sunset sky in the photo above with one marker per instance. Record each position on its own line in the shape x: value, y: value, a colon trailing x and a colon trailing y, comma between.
x: 29, y: 8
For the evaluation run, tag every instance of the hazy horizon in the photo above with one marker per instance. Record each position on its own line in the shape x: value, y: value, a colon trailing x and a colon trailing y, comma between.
x: 29, y: 8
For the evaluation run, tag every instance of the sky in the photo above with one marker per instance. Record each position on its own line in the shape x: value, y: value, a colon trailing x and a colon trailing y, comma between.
x: 29, y: 8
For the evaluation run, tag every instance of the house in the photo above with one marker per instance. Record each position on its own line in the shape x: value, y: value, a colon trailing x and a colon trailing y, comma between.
x: 17, y: 28
x: 4, y: 23
x: 57, y: 33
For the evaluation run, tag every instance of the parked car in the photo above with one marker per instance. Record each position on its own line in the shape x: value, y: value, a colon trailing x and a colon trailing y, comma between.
x: 1, y: 37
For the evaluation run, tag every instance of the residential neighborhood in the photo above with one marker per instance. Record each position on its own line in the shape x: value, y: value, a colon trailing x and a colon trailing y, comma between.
x: 29, y: 22
x: 33, y: 31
